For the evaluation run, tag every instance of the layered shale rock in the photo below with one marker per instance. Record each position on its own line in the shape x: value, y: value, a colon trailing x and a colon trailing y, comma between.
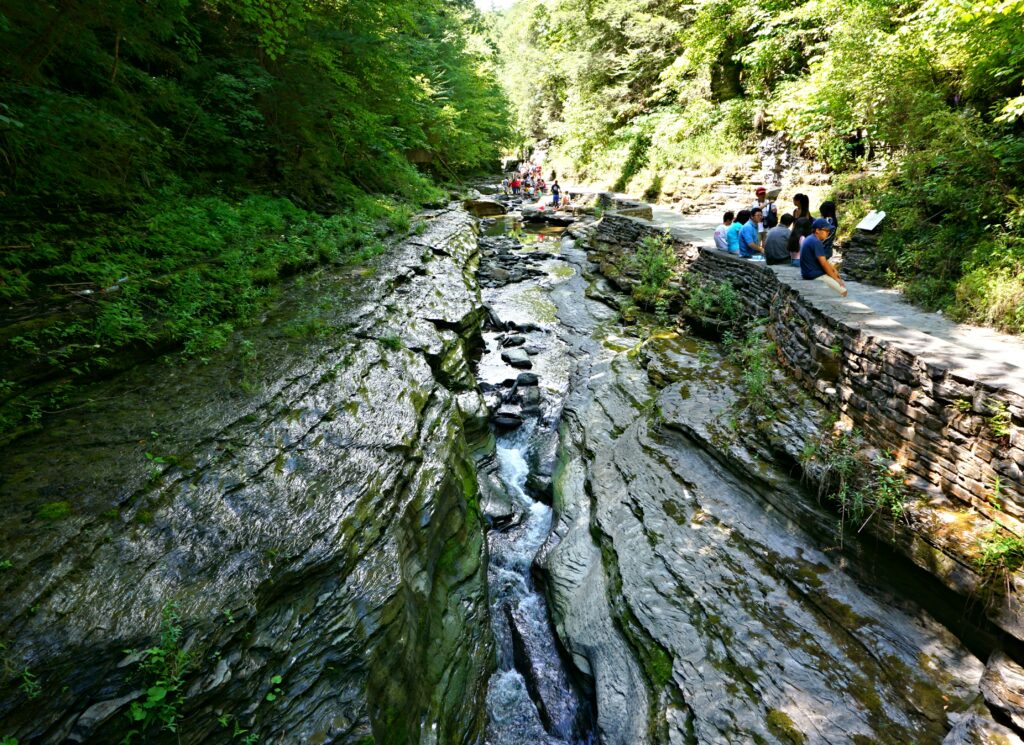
x: 303, y: 517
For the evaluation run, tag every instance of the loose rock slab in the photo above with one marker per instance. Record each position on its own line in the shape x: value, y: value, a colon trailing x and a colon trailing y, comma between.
x: 1003, y: 687
x: 517, y: 357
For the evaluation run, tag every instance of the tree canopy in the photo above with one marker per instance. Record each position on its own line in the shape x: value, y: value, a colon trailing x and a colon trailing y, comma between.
x: 916, y: 104
x: 163, y: 162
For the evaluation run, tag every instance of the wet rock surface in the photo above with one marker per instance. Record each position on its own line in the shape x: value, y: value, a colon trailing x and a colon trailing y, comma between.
x: 532, y: 698
x: 319, y: 532
x: 485, y: 207
x: 504, y: 265
x: 702, y: 612
x: 977, y: 729
x: 311, y: 528
x: 916, y: 384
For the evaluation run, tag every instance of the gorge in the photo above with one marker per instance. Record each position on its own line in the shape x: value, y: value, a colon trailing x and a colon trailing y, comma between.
x: 339, y: 547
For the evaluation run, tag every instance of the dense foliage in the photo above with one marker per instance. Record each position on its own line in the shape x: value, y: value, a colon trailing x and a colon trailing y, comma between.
x: 163, y: 162
x: 925, y: 95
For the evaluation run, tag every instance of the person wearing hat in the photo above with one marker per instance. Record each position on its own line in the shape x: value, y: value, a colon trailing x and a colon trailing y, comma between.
x: 814, y: 263
x: 768, y: 210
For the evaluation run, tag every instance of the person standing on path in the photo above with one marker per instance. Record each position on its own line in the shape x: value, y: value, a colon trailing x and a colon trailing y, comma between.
x: 814, y: 264
x: 556, y: 192
x: 769, y: 212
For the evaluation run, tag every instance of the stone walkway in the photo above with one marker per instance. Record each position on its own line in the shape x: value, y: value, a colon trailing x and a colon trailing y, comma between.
x: 977, y: 353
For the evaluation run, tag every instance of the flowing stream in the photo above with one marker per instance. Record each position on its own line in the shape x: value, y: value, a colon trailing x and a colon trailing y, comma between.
x: 531, y: 698
x: 542, y: 707
x: 692, y: 605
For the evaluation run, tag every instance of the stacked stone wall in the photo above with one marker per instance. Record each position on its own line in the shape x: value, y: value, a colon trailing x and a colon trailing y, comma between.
x: 937, y: 422
x: 859, y: 256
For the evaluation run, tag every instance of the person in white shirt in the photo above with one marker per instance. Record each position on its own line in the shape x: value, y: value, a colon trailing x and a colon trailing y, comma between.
x: 768, y: 210
x: 721, y: 239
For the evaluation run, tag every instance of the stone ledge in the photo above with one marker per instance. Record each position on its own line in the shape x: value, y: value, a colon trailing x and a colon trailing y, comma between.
x: 923, y: 386
x: 917, y: 385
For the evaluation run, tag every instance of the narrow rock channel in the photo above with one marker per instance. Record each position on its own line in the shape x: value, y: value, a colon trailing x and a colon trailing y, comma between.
x: 689, y: 607
x: 531, y: 697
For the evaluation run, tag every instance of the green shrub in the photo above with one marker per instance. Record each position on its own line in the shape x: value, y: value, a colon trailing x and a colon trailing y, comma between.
x: 654, y: 262
x: 188, y: 271
x: 1000, y: 555
x: 162, y: 669
x: 860, y: 490
x: 713, y: 299
x: 157, y: 183
x: 754, y: 355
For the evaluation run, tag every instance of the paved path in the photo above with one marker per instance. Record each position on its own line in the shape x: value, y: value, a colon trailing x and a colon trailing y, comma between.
x: 978, y: 353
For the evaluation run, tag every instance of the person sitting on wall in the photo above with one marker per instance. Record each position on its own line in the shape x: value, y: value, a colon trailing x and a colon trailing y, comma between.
x: 721, y: 232
x: 732, y: 236
x: 750, y: 236
x: 801, y: 229
x: 802, y: 208
x: 814, y: 264
x: 828, y: 211
x: 776, y: 242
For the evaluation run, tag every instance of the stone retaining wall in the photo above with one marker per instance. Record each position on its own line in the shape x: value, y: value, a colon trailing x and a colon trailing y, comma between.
x: 936, y: 422
x: 859, y: 261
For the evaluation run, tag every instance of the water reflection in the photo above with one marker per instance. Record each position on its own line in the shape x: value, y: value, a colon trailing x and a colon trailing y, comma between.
x: 533, y: 235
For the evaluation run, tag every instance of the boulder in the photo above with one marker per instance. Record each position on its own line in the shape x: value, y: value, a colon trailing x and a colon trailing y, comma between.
x: 1003, y: 687
x: 498, y: 509
x: 485, y: 207
x: 530, y: 398
x: 508, y: 416
x: 527, y: 378
x: 517, y: 357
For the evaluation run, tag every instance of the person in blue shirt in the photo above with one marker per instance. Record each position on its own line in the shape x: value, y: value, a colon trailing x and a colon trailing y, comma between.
x: 732, y: 237
x: 814, y: 263
x: 750, y: 235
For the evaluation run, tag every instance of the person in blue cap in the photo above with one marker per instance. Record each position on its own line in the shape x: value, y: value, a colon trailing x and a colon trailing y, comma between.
x: 814, y: 263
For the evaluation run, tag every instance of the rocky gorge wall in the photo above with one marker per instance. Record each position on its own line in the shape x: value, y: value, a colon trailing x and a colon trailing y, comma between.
x: 956, y: 435
x: 302, y: 514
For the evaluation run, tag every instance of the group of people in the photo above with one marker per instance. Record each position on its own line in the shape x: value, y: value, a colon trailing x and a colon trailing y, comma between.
x: 797, y: 238
x: 529, y: 183
x: 527, y: 186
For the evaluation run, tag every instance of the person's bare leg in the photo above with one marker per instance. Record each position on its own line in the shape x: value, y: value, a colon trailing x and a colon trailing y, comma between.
x: 833, y: 284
